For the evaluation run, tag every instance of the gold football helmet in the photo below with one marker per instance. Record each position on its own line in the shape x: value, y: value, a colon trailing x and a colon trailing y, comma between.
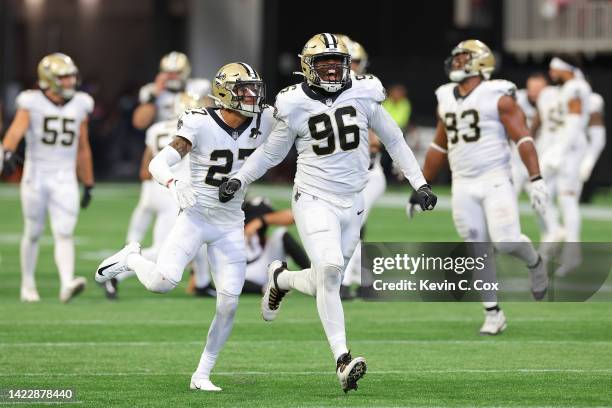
x: 184, y: 101
x: 176, y: 62
x: 237, y: 86
x: 480, y: 61
x: 359, y: 58
x: 325, y: 47
x: 52, y: 68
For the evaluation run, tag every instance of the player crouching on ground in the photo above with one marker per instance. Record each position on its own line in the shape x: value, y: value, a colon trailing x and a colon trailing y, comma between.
x: 475, y: 118
x: 218, y: 140
x: 54, y: 122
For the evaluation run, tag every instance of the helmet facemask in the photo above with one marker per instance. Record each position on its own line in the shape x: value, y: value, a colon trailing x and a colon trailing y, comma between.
x: 329, y: 71
x: 247, y: 97
x: 459, y: 73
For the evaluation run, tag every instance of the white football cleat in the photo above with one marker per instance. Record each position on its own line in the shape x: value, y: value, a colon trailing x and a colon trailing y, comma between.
x: 74, y: 288
x: 29, y: 295
x: 495, y: 322
x: 117, y: 263
x: 271, y: 300
x: 350, y: 370
x: 539, y: 279
x: 202, y: 384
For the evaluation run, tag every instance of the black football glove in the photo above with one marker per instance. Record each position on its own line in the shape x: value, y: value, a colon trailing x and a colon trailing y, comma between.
x: 86, y: 199
x: 9, y: 163
x: 424, y: 198
x: 228, y: 188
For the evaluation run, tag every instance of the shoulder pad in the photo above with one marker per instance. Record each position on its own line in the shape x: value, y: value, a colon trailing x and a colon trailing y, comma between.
x: 25, y: 99
x: 444, y: 90
x: 501, y: 86
x: 285, y: 99
x: 596, y: 103
x: 371, y: 86
x: 85, y: 100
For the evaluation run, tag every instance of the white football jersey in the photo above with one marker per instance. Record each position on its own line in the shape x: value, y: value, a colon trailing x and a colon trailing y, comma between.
x: 550, y: 118
x: 159, y: 136
x: 217, y: 153
x: 596, y: 103
x: 477, y: 141
x: 576, y: 88
x: 53, y: 135
x: 331, y: 137
x: 164, y: 102
x: 529, y: 109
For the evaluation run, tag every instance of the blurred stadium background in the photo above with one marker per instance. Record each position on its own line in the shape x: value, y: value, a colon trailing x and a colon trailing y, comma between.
x: 140, y: 350
x: 118, y: 44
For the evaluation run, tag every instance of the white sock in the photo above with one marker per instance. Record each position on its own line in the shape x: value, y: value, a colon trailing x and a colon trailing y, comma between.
x: 139, y: 224
x: 330, y: 309
x: 64, y: 258
x: 29, y: 256
x: 219, y: 331
x: 303, y: 281
x: 571, y: 216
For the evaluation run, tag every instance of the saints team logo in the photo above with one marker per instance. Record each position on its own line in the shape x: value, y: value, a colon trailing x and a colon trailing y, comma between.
x: 329, y: 102
x: 179, y: 124
x: 235, y: 134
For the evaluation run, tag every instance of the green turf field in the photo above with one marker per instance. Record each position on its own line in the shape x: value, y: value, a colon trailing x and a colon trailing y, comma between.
x: 142, y: 349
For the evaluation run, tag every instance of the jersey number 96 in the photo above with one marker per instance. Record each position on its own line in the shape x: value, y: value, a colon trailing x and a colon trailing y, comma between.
x: 321, y: 129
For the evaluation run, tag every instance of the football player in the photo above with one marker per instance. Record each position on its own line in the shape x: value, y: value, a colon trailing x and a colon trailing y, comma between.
x: 53, y: 120
x: 374, y: 188
x: 529, y: 101
x: 157, y: 102
x: 476, y: 116
x: 562, y: 163
x: 160, y: 202
x: 219, y: 140
x: 263, y: 248
x: 327, y: 118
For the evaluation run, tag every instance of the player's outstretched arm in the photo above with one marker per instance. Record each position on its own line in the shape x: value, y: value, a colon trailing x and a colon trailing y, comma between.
x: 282, y: 218
x: 160, y: 168
x: 11, y: 140
x: 268, y: 155
x: 597, y: 142
x: 391, y: 136
x: 85, y: 164
x: 513, y: 119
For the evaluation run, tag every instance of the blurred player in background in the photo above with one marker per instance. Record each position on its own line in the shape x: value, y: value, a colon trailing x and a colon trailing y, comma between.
x: 373, y: 190
x: 218, y: 140
x: 263, y: 248
x: 596, y: 134
x: 159, y: 201
x: 562, y: 162
x: 327, y: 117
x: 529, y: 101
x: 157, y: 104
x: 53, y: 120
x: 476, y: 116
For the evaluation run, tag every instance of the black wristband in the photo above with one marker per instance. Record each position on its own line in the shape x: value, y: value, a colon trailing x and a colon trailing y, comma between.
x: 535, y: 178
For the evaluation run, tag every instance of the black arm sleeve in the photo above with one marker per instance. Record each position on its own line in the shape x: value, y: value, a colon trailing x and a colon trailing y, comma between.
x: 295, y: 251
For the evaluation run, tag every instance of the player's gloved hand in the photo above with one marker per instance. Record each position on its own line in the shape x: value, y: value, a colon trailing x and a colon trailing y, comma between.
x: 424, y: 198
x: 9, y: 163
x: 586, y: 168
x: 183, y: 193
x: 539, y: 195
x: 228, y: 188
x: 86, y: 199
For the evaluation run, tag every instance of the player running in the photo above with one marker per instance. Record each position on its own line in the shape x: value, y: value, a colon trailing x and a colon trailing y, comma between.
x: 476, y: 116
x: 327, y: 118
x: 218, y: 140
x: 54, y: 121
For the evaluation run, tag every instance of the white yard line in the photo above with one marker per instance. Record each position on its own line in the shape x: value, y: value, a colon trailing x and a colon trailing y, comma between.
x: 314, y: 373
x: 268, y: 343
